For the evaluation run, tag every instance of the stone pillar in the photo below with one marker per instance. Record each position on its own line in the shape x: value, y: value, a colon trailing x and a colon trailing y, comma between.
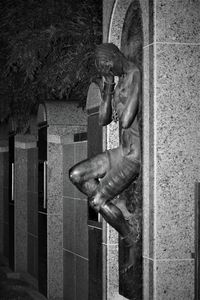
x: 171, y: 148
x: 4, y: 198
x: 63, y: 121
x: 22, y: 145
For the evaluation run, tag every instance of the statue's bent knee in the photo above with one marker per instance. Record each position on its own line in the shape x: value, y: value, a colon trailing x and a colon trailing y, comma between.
x: 95, y: 203
x: 75, y: 175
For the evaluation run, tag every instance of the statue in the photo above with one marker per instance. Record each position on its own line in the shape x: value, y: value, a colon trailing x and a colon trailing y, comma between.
x: 106, y: 175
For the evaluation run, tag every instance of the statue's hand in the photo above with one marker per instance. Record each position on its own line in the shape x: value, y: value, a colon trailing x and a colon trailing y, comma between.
x: 109, y: 79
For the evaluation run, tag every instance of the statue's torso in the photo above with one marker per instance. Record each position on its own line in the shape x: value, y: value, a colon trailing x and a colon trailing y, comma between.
x: 130, y: 138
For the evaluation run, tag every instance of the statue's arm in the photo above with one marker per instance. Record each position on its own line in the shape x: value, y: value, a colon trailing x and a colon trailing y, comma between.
x: 105, y: 108
x: 131, y: 107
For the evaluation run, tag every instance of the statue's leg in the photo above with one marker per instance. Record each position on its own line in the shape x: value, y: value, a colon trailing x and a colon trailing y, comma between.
x: 112, y: 184
x: 85, y: 175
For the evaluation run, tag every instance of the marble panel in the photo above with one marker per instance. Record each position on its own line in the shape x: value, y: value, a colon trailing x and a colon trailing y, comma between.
x: 30, y: 255
x: 175, y: 279
x: 42, y: 253
x: 20, y: 210
x: 55, y: 256
x: 95, y: 265
x: 54, y: 178
x: 81, y: 228
x: 36, y: 257
x: 20, y: 250
x: 69, y: 276
x: 5, y: 205
x: 69, y: 224
x: 177, y: 111
x: 32, y: 169
x: 81, y: 278
x: 32, y: 213
x: 178, y: 21
x: 6, y: 239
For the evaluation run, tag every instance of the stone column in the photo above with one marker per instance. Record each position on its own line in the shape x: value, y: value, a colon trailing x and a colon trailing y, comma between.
x: 63, y: 120
x: 4, y: 198
x: 22, y: 144
x: 171, y: 148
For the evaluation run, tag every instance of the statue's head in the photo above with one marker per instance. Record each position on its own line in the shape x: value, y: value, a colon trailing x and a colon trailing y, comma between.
x: 109, y: 59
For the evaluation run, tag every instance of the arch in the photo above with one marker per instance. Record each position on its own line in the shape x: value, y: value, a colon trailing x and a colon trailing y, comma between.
x: 120, y: 9
x: 132, y: 34
x: 42, y: 114
x: 126, y: 31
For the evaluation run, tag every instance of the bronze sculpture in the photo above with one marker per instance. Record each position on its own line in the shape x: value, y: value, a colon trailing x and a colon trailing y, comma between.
x: 106, y: 175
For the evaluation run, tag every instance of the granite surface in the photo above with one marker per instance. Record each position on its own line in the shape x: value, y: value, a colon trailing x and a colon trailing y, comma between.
x: 55, y: 256
x: 54, y: 178
x: 178, y: 145
x: 171, y: 152
x: 178, y: 21
x: 61, y: 113
x: 175, y: 279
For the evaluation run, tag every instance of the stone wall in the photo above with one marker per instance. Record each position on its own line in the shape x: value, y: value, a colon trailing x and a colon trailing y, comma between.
x: 171, y: 148
x: 170, y: 145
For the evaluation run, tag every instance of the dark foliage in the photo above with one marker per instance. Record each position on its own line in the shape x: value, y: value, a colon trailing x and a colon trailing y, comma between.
x: 46, y: 53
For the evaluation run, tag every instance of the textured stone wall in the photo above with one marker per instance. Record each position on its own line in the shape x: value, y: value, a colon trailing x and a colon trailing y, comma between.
x: 171, y: 149
x: 170, y: 146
